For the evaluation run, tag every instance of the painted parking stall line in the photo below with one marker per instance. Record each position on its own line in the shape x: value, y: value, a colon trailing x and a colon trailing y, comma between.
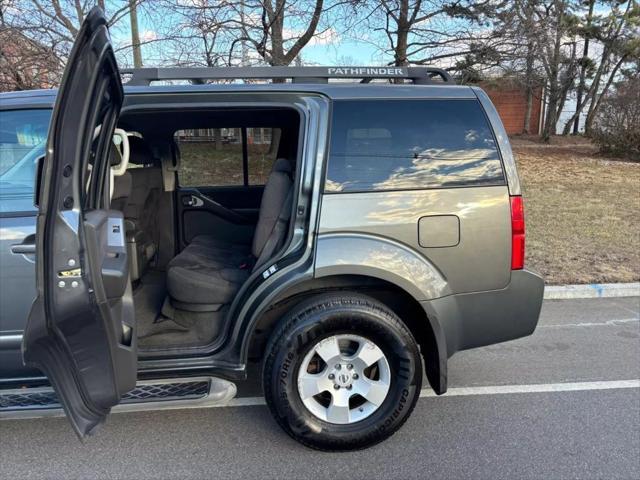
x: 535, y: 388
x: 488, y: 390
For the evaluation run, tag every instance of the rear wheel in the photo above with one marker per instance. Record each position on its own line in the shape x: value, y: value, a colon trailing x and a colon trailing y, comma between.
x: 342, y: 372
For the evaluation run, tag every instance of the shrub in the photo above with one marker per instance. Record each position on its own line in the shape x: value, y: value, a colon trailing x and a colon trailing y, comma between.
x: 616, y: 127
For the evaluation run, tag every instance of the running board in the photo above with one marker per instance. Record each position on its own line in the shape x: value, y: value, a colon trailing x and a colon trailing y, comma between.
x: 165, y: 394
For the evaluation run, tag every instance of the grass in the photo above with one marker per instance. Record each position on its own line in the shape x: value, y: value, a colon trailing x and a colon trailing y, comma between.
x: 582, y: 212
x: 201, y: 164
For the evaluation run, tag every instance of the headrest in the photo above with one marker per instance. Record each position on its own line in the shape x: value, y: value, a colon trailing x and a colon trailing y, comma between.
x: 122, y: 186
x: 114, y: 156
x: 281, y: 165
x: 140, y: 153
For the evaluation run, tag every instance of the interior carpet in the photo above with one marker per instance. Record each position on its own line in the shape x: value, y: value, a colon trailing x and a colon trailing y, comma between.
x: 184, y: 329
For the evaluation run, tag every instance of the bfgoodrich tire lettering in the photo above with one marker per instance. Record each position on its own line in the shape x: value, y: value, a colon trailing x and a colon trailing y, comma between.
x: 340, y: 315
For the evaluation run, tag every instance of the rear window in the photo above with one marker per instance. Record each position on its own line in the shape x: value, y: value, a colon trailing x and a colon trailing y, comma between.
x: 409, y: 144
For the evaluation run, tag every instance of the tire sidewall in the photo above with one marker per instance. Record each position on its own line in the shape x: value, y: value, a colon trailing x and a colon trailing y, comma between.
x: 367, y: 320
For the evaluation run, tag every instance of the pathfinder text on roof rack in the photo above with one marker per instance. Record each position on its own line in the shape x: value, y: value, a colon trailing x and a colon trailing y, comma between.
x: 375, y: 71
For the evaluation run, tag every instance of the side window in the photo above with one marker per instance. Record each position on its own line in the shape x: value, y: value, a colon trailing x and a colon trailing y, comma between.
x: 23, y: 134
x: 262, y: 150
x: 411, y: 144
x: 215, y: 156
x: 210, y: 157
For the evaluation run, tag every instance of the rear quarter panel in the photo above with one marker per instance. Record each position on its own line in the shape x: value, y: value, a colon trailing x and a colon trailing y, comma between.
x: 481, y: 259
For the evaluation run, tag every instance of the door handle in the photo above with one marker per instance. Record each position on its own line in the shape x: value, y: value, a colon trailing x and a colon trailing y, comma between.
x: 23, y: 248
x: 192, y: 201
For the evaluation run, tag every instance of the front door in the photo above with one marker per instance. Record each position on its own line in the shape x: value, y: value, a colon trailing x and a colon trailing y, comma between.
x: 81, y: 329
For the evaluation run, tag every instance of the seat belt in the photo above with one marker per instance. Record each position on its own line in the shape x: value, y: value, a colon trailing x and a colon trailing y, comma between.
x: 275, y: 238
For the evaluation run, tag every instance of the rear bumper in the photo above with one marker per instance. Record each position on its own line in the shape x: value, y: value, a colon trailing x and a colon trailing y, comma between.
x: 470, y: 320
x: 483, y: 318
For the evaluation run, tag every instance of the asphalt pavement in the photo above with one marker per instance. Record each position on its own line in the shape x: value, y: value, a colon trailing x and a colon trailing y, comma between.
x: 574, y: 415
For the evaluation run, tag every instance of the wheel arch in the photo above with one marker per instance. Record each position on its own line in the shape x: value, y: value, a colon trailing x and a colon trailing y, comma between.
x: 425, y: 329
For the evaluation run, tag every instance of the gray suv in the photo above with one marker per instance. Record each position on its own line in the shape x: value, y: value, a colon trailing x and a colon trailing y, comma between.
x: 346, y: 237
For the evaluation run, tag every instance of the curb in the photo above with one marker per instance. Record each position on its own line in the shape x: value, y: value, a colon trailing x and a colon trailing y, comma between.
x: 593, y: 290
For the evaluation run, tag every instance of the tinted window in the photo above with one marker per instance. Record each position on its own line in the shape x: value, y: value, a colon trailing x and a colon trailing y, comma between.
x: 409, y: 144
x: 23, y: 134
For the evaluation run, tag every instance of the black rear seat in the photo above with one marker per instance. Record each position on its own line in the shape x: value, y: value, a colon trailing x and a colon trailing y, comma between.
x: 208, y: 272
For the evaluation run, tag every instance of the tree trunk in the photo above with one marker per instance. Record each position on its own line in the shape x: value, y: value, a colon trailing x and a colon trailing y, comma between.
x: 217, y: 135
x: 583, y: 72
x: 595, y: 103
x: 529, y: 88
x: 528, y: 110
x: 402, y: 37
x: 552, y: 114
x: 135, y: 34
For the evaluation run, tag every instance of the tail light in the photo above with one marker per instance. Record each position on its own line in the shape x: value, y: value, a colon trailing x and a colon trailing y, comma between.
x: 517, y: 233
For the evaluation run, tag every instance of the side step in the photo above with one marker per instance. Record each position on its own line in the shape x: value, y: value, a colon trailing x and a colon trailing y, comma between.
x: 172, y: 393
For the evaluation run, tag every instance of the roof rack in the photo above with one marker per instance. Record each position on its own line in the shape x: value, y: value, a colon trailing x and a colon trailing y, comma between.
x: 199, y: 75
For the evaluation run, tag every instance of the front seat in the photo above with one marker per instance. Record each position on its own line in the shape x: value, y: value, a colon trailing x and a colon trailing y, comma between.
x: 141, y: 210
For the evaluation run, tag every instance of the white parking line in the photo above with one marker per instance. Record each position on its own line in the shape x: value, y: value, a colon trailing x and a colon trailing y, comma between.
x: 608, y: 323
x: 489, y: 390
x: 535, y: 388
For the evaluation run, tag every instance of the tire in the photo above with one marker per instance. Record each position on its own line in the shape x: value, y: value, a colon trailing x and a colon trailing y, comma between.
x: 315, y: 327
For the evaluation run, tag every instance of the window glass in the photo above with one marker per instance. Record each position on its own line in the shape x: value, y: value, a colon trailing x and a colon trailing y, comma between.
x: 262, y: 150
x: 210, y: 157
x: 23, y: 134
x: 213, y: 156
x: 409, y: 144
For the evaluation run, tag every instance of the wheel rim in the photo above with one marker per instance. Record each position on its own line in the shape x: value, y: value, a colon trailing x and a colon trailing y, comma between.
x: 344, y: 379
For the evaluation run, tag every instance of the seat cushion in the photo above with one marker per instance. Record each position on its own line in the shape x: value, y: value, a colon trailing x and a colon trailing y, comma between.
x: 207, y: 272
x: 219, y: 251
x: 199, y: 283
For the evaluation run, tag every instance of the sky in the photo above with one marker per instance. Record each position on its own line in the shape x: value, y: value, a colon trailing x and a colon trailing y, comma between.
x: 329, y: 48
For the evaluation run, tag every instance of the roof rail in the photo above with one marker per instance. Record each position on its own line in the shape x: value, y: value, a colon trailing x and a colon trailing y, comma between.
x: 199, y: 75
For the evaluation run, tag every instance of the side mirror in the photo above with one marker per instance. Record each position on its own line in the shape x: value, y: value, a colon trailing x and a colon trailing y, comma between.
x: 38, y: 181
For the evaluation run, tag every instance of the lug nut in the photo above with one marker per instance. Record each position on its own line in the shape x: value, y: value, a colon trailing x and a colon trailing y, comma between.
x: 349, y: 387
x: 336, y: 386
x: 349, y: 367
x: 355, y: 376
x: 338, y: 367
x: 331, y: 376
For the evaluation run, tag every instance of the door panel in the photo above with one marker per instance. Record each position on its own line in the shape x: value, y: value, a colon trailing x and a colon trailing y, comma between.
x: 228, y: 213
x: 18, y: 289
x: 81, y: 329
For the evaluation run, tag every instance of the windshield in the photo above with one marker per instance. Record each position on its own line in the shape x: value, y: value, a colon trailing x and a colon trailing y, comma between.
x: 23, y: 134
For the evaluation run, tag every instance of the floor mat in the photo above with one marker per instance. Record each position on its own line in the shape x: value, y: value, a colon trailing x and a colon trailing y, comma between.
x: 148, y: 297
x: 184, y: 329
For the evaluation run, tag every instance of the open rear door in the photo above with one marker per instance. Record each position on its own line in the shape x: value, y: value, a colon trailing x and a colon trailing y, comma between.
x: 81, y: 329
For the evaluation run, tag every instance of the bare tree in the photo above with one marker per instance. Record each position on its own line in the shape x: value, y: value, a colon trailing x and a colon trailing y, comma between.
x: 552, y: 30
x: 617, y: 35
x: 24, y: 63
x: 55, y: 23
x: 278, y: 30
x: 421, y: 32
x: 197, y: 33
